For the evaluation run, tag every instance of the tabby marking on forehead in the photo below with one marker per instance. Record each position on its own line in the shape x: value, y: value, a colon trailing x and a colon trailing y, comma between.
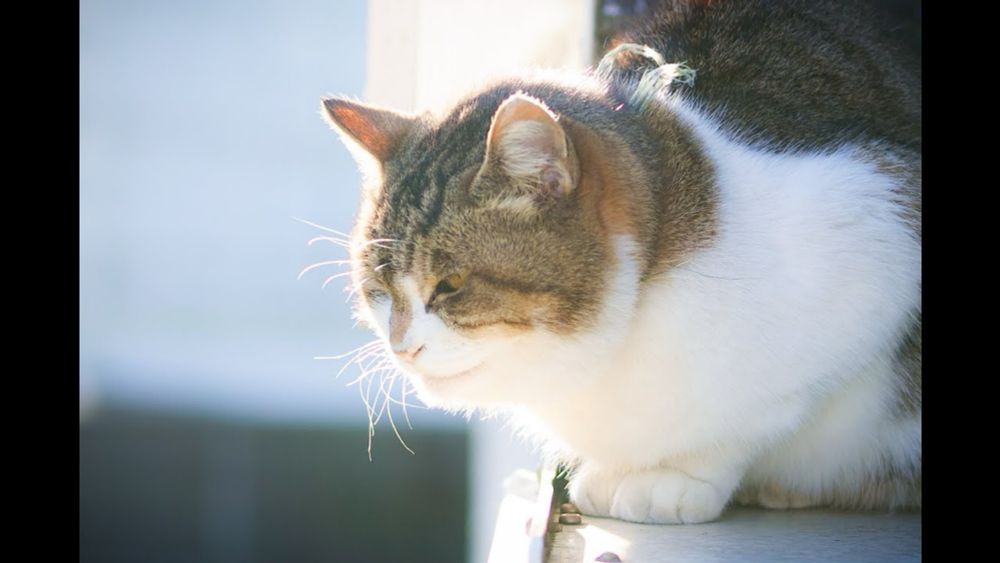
x: 416, y: 189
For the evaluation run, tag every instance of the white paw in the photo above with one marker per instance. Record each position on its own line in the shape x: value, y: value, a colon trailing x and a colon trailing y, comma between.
x: 592, y: 491
x: 666, y: 496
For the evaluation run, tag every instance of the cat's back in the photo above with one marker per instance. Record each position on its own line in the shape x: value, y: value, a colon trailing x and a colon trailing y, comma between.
x: 791, y: 74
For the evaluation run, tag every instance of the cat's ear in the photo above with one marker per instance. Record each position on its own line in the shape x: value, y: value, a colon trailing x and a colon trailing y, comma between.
x: 529, y: 145
x: 374, y: 130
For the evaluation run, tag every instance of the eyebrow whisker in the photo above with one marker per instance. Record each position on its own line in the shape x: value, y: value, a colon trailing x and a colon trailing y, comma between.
x: 338, y: 241
x: 321, y: 227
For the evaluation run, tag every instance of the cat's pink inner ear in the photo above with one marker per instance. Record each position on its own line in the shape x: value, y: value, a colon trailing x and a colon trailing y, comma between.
x: 526, y: 139
x: 376, y: 130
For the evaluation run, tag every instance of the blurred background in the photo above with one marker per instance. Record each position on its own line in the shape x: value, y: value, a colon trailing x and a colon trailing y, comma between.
x: 207, y: 430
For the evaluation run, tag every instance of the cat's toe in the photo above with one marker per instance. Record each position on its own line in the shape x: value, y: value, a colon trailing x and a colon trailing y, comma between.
x: 592, y: 492
x: 701, y: 502
x: 632, y: 500
x: 666, y: 497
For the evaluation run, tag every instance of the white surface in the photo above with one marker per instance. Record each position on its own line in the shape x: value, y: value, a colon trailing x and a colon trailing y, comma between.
x: 749, y: 535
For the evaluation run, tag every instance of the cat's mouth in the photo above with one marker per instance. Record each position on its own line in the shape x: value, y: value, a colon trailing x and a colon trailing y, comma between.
x: 432, y: 381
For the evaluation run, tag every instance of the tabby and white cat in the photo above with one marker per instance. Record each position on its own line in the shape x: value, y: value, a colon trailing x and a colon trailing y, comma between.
x: 711, y: 296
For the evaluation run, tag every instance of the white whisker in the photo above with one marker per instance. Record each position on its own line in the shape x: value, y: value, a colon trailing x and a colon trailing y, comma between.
x: 338, y: 241
x: 409, y: 405
x: 377, y: 242
x: 340, y: 275
x: 321, y: 227
x: 368, y: 397
x: 402, y: 395
x: 342, y: 262
x: 383, y: 369
x: 367, y: 356
x: 363, y: 347
x: 316, y: 265
x: 361, y: 356
x: 355, y: 288
x: 380, y: 392
x: 395, y: 430
x: 371, y: 427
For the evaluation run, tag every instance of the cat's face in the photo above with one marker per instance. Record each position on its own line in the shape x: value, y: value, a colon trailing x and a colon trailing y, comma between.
x: 478, y: 259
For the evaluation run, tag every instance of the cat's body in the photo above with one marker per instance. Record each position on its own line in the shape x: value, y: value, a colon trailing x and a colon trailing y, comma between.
x: 716, y: 295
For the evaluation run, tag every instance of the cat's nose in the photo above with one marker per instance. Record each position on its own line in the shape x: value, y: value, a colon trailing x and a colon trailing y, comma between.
x: 409, y: 354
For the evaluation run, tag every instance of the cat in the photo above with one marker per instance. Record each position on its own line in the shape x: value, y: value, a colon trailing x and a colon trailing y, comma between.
x: 712, y: 297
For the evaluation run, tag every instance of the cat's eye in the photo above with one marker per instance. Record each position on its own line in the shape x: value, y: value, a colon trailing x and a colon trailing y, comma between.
x: 448, y: 285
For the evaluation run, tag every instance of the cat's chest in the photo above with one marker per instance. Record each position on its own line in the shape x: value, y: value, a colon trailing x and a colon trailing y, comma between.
x: 648, y: 393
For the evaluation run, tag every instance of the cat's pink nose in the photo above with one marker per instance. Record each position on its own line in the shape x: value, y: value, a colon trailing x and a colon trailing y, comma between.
x: 409, y: 354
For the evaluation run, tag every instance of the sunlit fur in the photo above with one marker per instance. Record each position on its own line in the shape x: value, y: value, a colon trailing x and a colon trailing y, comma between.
x: 684, y: 310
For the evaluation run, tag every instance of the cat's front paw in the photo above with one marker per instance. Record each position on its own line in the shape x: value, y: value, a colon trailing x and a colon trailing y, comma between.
x: 593, y: 490
x: 666, y: 496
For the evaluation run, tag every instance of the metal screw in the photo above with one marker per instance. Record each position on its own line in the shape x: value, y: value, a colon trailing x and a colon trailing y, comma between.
x: 569, y: 507
x: 570, y: 519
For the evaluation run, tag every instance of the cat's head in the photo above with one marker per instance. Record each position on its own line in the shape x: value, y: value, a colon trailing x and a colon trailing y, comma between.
x: 485, y: 256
